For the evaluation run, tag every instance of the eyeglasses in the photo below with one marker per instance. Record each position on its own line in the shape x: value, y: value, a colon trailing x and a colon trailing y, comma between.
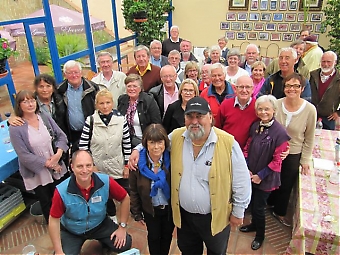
x: 73, y: 73
x: 29, y: 101
x: 188, y: 91
x: 244, y: 87
x: 156, y: 48
x: 292, y: 86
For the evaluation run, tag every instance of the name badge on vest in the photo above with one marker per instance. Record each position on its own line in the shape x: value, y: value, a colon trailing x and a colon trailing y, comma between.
x: 96, y: 199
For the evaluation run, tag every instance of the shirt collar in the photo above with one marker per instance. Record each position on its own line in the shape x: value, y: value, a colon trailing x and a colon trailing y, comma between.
x: 148, y: 68
x: 70, y: 87
x: 41, y: 103
x: 237, y: 103
x: 156, y: 60
x: 173, y: 40
x: 166, y: 92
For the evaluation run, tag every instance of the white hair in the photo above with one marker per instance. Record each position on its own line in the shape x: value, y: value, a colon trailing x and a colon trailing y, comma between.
x: 155, y: 42
x: 217, y: 66
x: 289, y: 49
x: 174, y: 26
x: 253, y: 45
x: 215, y: 48
x: 71, y: 64
x: 267, y: 98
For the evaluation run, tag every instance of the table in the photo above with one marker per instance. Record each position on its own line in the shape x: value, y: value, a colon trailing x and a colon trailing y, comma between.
x: 8, y: 160
x: 318, y: 199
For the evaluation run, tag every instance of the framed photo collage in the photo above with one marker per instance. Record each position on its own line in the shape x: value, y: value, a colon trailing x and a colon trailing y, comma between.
x: 263, y: 23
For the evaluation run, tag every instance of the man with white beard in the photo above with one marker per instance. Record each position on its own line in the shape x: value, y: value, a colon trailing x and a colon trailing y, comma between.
x: 210, y: 182
x: 325, y: 87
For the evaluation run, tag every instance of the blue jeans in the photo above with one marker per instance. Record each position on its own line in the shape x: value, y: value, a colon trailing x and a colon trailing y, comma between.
x: 72, y: 243
x: 328, y: 124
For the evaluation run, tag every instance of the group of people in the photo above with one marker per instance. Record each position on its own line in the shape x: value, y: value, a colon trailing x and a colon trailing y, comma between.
x: 170, y: 140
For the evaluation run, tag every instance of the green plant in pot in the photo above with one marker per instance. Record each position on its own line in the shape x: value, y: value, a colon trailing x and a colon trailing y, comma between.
x: 150, y: 29
x: 138, y: 10
x: 5, y: 53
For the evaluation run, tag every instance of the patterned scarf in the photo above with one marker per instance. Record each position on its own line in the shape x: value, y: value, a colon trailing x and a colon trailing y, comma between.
x: 130, y: 114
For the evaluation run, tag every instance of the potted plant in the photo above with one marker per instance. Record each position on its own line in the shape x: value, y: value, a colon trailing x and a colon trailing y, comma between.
x: 152, y: 28
x: 138, y: 10
x: 5, y: 53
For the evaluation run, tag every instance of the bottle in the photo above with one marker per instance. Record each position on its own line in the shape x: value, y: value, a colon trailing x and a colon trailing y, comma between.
x: 337, y: 151
x: 5, y: 138
x: 318, y: 127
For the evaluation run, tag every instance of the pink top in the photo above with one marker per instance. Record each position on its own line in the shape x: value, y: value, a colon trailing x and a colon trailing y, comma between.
x: 257, y: 86
x: 169, y: 99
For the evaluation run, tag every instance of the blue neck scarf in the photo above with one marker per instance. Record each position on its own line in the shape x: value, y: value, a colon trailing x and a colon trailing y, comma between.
x: 159, y: 178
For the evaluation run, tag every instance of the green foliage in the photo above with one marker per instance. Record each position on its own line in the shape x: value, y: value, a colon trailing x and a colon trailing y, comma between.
x: 149, y: 30
x: 43, y: 55
x: 68, y: 44
x: 332, y: 14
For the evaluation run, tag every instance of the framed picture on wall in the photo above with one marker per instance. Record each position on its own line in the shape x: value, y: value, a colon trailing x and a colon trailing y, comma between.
x: 317, y: 37
x: 230, y: 35
x: 231, y: 16
x: 293, y: 5
x: 314, y: 5
x: 316, y: 17
x: 288, y: 37
x: 309, y: 27
x: 264, y: 5
x: 225, y: 25
x: 283, y: 5
x: 295, y: 27
x: 258, y: 26
x: 242, y: 16
x: 283, y: 27
x: 236, y: 26
x: 264, y: 36
x: 317, y: 28
x: 254, y: 16
x: 270, y: 26
x: 275, y: 36
x: 238, y: 4
x: 254, y: 5
x: 252, y: 36
x: 241, y: 35
x: 278, y: 17
x: 273, y: 5
x: 265, y: 16
x: 301, y: 17
x: 297, y: 36
x: 247, y: 26
x: 289, y: 17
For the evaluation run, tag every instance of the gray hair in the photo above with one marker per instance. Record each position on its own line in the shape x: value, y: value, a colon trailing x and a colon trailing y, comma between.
x: 174, y: 26
x: 71, y: 64
x: 267, y: 98
x: 174, y: 52
x: 233, y: 52
x: 215, y: 48
x: 289, y: 49
x: 168, y: 66
x: 253, y: 45
x: 331, y: 53
x: 217, y: 66
x: 139, y: 48
x: 297, y: 42
x: 223, y: 38
x: 154, y: 42
x: 104, y: 54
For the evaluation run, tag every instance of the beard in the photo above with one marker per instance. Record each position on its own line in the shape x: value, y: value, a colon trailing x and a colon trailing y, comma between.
x: 196, y: 135
x: 327, y: 70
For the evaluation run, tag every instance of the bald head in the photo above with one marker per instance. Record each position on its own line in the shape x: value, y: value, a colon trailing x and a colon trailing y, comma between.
x: 244, y: 89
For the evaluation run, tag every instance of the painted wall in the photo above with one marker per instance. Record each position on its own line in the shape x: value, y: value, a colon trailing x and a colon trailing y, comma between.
x: 199, y: 21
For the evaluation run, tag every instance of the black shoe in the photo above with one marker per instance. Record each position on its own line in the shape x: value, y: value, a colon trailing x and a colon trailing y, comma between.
x: 247, y: 228
x: 256, y: 244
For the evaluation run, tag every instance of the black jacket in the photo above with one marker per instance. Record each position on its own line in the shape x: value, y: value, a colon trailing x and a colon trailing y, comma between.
x: 158, y: 94
x: 174, y: 116
x: 90, y: 90
x: 147, y: 108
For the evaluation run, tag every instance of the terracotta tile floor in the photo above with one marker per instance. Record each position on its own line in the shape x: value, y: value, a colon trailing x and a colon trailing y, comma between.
x: 25, y: 230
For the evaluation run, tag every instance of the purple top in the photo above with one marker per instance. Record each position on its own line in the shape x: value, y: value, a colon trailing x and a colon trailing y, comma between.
x: 264, y: 156
x: 31, y: 162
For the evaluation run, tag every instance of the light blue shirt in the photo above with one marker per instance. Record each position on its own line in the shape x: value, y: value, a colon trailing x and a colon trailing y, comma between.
x: 156, y: 62
x: 160, y: 198
x: 74, y: 107
x: 247, y: 68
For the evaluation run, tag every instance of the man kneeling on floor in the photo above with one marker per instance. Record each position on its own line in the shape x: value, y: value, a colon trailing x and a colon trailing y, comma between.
x: 78, y: 210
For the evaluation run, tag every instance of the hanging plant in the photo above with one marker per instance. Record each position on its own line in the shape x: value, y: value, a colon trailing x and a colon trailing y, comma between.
x: 149, y: 29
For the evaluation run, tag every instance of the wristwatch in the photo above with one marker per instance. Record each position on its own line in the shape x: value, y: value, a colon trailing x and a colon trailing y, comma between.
x: 123, y: 224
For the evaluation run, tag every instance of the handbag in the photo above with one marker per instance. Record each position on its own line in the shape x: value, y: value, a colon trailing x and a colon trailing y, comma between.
x: 135, y: 141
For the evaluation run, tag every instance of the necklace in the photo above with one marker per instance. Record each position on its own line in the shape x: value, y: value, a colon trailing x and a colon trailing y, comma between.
x: 197, y: 145
x: 156, y: 164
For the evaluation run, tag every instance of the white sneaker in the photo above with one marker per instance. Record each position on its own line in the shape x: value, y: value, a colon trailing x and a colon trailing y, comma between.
x: 114, y: 219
